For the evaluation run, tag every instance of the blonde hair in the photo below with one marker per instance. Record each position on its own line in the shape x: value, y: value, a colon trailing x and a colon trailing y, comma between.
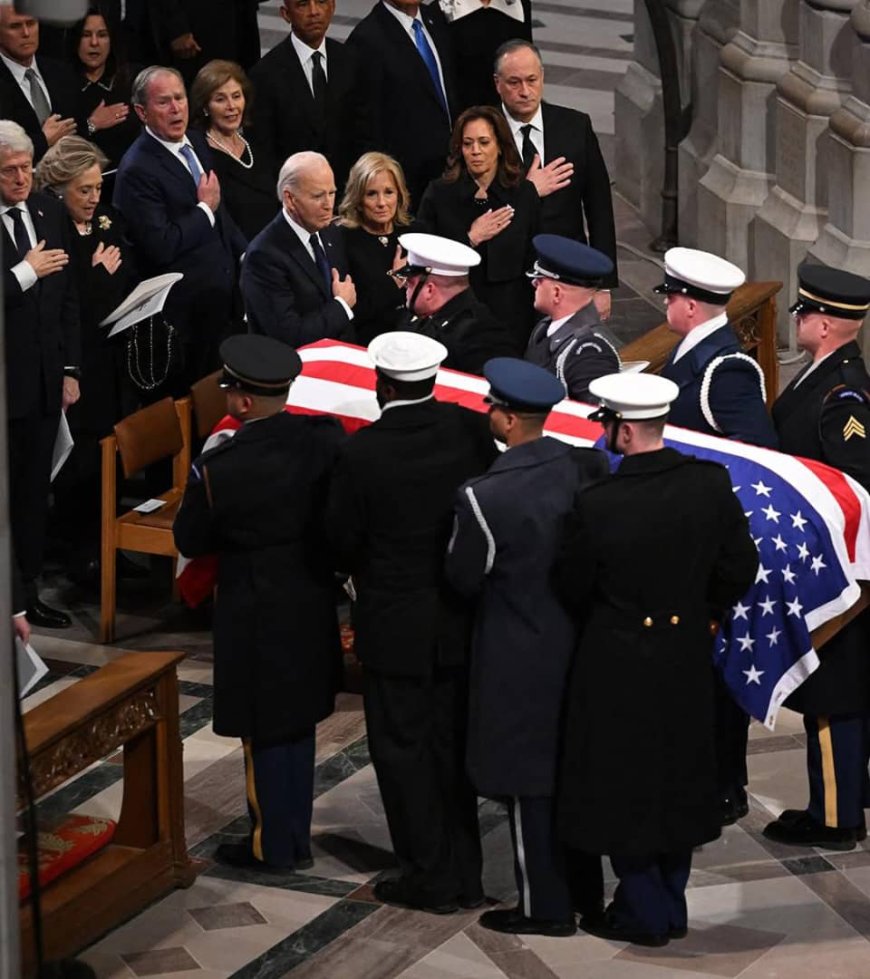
x: 367, y: 166
x: 67, y: 159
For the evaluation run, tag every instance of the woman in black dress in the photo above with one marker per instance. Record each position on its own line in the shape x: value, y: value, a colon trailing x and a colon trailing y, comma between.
x: 484, y: 200
x: 101, y: 261
x: 220, y: 103
x: 373, y: 213
x: 96, y: 52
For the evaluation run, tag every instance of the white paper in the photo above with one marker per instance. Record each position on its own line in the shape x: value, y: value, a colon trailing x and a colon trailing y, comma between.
x: 63, y: 445
x: 149, y: 506
x: 31, y: 667
x: 145, y: 300
x: 633, y: 366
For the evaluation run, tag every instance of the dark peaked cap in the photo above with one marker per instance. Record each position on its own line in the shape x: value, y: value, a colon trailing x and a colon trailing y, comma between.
x: 825, y: 290
x: 259, y: 365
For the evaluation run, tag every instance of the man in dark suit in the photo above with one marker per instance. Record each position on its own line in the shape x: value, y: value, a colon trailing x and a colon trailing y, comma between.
x: 507, y: 530
x: 561, y: 155
x: 824, y: 414
x: 309, y: 93
x: 171, y: 199
x: 408, y: 77
x: 294, y: 279
x: 442, y: 305
x: 257, y: 502
x: 42, y: 351
x: 389, y: 516
x: 36, y: 92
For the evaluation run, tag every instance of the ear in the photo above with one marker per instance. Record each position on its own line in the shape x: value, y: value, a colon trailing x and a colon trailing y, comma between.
x: 284, y: 14
x: 140, y: 112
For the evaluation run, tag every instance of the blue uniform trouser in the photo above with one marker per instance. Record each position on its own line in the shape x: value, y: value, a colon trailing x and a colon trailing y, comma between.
x: 279, y: 779
x: 539, y: 862
x: 837, y: 753
x: 651, y: 895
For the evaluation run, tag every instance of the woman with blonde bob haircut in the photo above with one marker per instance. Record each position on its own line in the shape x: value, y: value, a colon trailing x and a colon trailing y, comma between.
x: 372, y: 215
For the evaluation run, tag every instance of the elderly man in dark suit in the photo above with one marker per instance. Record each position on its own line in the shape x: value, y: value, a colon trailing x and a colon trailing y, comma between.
x: 389, y: 516
x: 309, y: 93
x: 294, y: 279
x: 41, y: 310
x: 171, y: 199
x: 408, y: 77
x: 561, y: 155
x: 36, y: 92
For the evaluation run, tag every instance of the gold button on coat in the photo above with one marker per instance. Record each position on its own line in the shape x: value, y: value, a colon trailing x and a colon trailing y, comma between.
x: 675, y: 620
x: 647, y: 622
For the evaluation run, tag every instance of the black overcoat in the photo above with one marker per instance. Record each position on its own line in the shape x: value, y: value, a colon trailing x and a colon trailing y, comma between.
x: 389, y: 518
x: 650, y: 556
x: 506, y: 535
x: 257, y: 502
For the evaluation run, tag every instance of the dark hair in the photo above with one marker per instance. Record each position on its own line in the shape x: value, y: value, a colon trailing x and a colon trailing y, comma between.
x: 510, y: 166
x: 515, y: 44
x: 117, y: 67
x: 208, y: 80
x: 408, y: 390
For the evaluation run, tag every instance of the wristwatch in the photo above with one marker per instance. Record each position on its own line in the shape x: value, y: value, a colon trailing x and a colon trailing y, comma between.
x: 91, y: 128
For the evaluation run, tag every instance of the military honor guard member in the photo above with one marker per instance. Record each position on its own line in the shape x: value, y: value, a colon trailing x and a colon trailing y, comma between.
x: 824, y: 414
x: 389, y: 518
x: 638, y: 766
x: 570, y: 341
x: 257, y: 501
x: 506, y: 534
x: 441, y: 303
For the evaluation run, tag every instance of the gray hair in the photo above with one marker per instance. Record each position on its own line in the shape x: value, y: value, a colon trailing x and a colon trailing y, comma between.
x: 139, y: 93
x: 66, y: 160
x: 13, y: 139
x: 515, y: 44
x: 294, y: 167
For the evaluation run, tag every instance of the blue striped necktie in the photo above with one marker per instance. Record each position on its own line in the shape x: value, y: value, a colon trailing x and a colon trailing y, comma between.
x: 428, y: 56
x: 195, y: 169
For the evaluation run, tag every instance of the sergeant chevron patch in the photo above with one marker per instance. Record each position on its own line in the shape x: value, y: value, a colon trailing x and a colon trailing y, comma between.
x: 853, y: 427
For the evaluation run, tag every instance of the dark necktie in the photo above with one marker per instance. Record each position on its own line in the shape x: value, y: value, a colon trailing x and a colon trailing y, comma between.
x: 318, y: 83
x: 195, y: 169
x: 37, y: 96
x: 19, y: 233
x: 322, y: 263
x: 429, y: 59
x: 529, y: 150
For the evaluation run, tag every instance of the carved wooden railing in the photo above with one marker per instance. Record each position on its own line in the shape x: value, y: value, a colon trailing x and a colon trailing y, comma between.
x: 131, y: 703
x: 752, y: 312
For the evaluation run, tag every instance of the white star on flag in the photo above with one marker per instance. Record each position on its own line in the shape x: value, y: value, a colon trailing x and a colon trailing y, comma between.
x: 753, y: 675
x: 817, y: 564
x: 757, y: 542
x: 795, y: 607
x: 797, y: 520
x: 770, y: 513
x: 763, y: 574
x: 779, y: 543
x: 803, y: 552
x: 767, y: 606
x: 746, y: 643
x: 788, y: 574
x: 773, y: 637
x: 740, y: 611
x: 761, y: 489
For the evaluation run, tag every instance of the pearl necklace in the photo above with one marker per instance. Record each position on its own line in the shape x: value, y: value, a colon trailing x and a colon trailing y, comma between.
x: 223, y: 146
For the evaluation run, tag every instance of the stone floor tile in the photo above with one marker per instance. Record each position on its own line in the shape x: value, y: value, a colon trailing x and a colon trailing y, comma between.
x: 238, y: 915
x: 160, y: 961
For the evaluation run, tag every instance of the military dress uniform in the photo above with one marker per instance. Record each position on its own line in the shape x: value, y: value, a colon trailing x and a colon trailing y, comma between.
x: 506, y: 533
x: 576, y: 348
x: 256, y: 501
x: 824, y: 414
x: 637, y: 773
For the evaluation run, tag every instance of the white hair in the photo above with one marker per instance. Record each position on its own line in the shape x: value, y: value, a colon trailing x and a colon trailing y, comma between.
x: 295, y: 166
x: 13, y: 139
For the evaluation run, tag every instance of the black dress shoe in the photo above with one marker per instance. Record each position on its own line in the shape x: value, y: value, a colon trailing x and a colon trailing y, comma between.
x: 511, y: 921
x: 471, y: 902
x: 803, y: 830
x: 793, y: 815
x: 305, y: 863
x: 677, y: 933
x: 734, y: 807
x: 46, y: 617
x: 240, y: 855
x: 398, y: 891
x: 608, y: 926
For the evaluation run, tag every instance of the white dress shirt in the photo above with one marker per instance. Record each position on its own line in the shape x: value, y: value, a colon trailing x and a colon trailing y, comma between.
x: 699, y: 333
x: 815, y: 365
x: 407, y: 23
x: 536, y: 135
x: 304, y: 237
x: 551, y: 329
x: 23, y: 271
x: 175, y: 150
x: 457, y: 9
x: 304, y: 53
x: 18, y: 74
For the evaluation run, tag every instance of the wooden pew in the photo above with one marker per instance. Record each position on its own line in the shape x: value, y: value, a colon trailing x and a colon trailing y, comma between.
x: 131, y: 703
x: 752, y: 312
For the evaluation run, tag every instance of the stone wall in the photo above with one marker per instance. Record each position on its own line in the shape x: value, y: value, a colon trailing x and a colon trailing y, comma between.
x: 776, y: 166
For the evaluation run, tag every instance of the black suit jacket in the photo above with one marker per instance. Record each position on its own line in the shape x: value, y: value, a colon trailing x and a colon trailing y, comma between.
x: 285, y: 120
x: 389, y: 519
x: 157, y: 196
x: 42, y: 323
x: 224, y: 29
x: 63, y: 88
x: 284, y: 293
x: 407, y: 118
x: 569, y: 133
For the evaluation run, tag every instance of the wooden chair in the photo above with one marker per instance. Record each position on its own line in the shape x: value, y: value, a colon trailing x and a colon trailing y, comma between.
x: 209, y: 404
x: 132, y: 703
x: 160, y: 431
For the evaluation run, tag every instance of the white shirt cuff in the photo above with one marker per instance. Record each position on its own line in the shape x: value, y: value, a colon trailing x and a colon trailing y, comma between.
x: 345, y: 306
x: 208, y: 212
x: 27, y: 278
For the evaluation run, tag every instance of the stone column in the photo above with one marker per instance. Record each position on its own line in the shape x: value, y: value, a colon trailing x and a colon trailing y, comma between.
x: 845, y: 239
x: 796, y: 209
x: 640, y: 127
x: 741, y: 173
x: 716, y: 26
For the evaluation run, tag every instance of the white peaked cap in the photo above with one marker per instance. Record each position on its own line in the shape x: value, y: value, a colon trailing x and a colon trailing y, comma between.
x: 406, y: 356
x: 442, y: 256
x: 635, y: 397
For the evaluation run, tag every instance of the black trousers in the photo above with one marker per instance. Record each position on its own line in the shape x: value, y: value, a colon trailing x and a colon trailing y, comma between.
x: 416, y: 732
x: 31, y: 442
x: 651, y: 895
x: 540, y: 867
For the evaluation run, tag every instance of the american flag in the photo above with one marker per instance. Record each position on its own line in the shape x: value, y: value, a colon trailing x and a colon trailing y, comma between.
x: 811, y: 524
